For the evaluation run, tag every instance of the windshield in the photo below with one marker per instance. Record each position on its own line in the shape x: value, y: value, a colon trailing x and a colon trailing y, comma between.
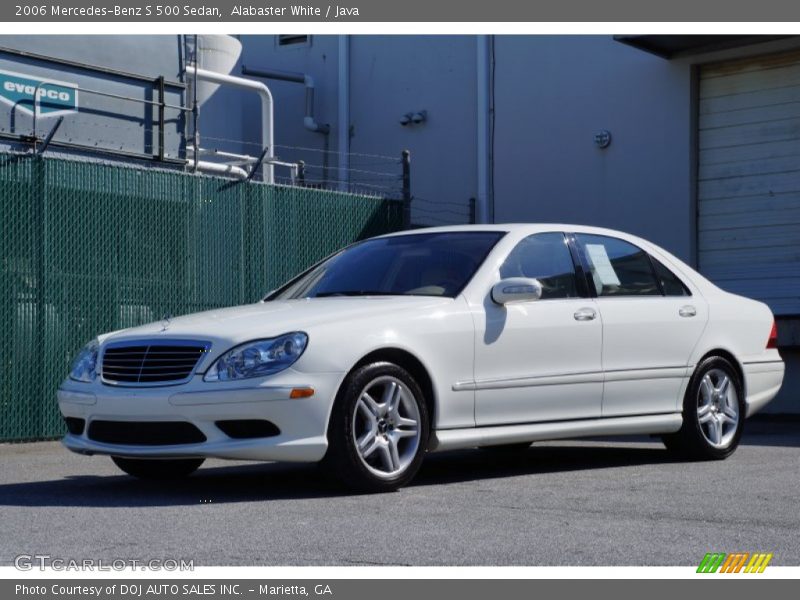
x: 422, y: 264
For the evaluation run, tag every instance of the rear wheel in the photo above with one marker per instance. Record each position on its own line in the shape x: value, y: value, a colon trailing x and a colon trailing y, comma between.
x: 713, y: 413
x: 146, y: 468
x: 379, y: 429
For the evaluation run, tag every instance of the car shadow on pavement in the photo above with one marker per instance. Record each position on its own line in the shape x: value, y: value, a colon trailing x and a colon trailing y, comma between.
x: 213, y: 485
x: 267, y: 482
x: 772, y: 430
x: 470, y: 465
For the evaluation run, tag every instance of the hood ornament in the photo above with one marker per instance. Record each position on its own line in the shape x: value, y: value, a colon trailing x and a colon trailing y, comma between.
x: 165, y: 321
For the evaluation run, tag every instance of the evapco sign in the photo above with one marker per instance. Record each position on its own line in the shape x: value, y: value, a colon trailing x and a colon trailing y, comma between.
x: 54, y: 97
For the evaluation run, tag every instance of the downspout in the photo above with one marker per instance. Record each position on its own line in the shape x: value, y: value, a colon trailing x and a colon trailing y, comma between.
x: 309, y: 122
x: 267, y: 128
x: 483, y: 197
x: 344, y: 112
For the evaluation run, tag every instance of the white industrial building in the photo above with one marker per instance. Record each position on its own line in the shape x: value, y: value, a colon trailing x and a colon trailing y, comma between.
x: 690, y: 141
x: 702, y: 134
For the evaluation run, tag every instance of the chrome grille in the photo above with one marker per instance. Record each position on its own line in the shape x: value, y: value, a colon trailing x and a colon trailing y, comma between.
x: 151, y: 362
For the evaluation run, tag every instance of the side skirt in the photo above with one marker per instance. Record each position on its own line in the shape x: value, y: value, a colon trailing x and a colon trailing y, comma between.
x: 453, y: 439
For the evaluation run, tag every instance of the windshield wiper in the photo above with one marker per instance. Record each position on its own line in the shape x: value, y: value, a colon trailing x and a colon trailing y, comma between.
x: 355, y: 293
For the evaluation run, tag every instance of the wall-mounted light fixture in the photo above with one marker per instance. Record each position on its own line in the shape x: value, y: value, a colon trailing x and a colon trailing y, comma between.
x: 414, y: 118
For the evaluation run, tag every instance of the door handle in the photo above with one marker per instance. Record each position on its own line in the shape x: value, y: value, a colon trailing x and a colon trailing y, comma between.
x: 585, y: 314
x: 687, y: 311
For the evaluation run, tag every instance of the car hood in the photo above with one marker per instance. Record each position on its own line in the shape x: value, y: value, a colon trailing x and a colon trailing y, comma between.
x: 266, y: 319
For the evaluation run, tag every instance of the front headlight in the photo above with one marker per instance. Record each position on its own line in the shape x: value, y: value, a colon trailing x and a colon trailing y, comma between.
x: 258, y: 358
x: 84, y: 366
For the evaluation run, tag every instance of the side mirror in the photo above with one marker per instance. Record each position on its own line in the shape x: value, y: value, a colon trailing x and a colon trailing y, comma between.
x: 516, y: 289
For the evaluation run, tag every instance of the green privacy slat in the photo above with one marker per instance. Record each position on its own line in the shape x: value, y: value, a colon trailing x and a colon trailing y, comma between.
x: 88, y: 247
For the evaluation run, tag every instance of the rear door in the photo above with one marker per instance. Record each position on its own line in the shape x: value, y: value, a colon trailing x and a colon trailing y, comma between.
x: 651, y: 324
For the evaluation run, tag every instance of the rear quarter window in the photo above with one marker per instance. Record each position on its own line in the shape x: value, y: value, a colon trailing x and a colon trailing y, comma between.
x: 670, y: 282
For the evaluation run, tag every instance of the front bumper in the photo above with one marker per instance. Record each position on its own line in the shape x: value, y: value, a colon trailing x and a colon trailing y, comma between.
x: 302, y: 421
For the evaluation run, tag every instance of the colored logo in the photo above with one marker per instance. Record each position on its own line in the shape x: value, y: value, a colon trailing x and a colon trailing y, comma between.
x: 55, y: 97
x: 738, y: 562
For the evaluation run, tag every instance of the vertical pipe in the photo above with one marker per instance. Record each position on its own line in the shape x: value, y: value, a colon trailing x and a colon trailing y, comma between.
x: 344, y: 112
x: 693, y: 251
x: 406, y: 160
x: 483, y: 151
x: 195, y: 110
x: 267, y: 121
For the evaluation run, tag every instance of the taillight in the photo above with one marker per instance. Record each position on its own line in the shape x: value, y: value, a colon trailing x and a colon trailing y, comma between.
x: 772, y: 342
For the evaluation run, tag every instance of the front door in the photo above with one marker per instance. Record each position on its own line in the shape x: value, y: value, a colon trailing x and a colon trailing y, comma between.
x: 539, y: 360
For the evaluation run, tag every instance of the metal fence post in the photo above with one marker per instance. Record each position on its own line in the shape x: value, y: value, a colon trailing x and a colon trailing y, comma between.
x: 301, y: 173
x: 406, y: 160
x: 472, y: 211
x: 40, y: 185
x: 161, y: 102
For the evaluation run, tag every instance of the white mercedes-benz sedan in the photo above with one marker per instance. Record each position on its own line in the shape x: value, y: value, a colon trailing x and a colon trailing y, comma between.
x: 489, y: 336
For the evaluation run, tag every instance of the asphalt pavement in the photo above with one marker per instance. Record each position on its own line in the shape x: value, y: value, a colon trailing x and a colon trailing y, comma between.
x: 598, y: 502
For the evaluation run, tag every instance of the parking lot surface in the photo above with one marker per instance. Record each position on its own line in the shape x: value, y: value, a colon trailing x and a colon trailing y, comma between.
x: 599, y: 502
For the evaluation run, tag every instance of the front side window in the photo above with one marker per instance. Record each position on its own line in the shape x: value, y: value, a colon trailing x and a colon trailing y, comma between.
x: 423, y: 264
x: 617, y: 267
x: 546, y: 257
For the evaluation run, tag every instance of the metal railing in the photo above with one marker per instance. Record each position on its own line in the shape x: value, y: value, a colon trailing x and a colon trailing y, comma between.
x: 371, y: 174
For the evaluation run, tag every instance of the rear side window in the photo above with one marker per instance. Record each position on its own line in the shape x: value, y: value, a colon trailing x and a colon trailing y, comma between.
x: 617, y: 267
x: 546, y: 257
x: 670, y: 283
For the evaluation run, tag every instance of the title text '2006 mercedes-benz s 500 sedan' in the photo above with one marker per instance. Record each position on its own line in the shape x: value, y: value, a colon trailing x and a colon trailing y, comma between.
x: 456, y: 337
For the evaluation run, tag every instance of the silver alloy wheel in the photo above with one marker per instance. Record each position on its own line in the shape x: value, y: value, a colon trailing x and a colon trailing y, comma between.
x: 386, y: 427
x: 718, y: 408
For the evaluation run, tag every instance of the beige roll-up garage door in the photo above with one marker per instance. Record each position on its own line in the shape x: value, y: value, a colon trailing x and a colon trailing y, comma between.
x: 749, y: 178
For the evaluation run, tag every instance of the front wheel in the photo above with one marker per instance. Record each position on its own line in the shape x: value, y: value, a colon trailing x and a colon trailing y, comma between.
x: 146, y: 468
x: 379, y: 429
x: 713, y: 413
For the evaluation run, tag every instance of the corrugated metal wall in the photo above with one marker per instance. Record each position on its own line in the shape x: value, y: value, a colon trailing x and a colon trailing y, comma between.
x: 749, y: 178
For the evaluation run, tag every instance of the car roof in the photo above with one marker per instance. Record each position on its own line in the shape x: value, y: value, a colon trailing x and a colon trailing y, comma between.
x: 511, y: 228
x: 522, y: 229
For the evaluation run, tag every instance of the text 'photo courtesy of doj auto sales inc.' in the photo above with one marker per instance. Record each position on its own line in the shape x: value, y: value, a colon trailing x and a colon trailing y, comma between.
x: 170, y: 590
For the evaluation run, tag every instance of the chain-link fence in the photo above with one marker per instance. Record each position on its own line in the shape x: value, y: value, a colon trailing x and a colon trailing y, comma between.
x: 89, y: 247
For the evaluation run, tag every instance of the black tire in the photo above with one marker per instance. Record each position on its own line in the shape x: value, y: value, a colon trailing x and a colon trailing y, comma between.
x: 692, y: 440
x: 343, y: 458
x: 159, y: 469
